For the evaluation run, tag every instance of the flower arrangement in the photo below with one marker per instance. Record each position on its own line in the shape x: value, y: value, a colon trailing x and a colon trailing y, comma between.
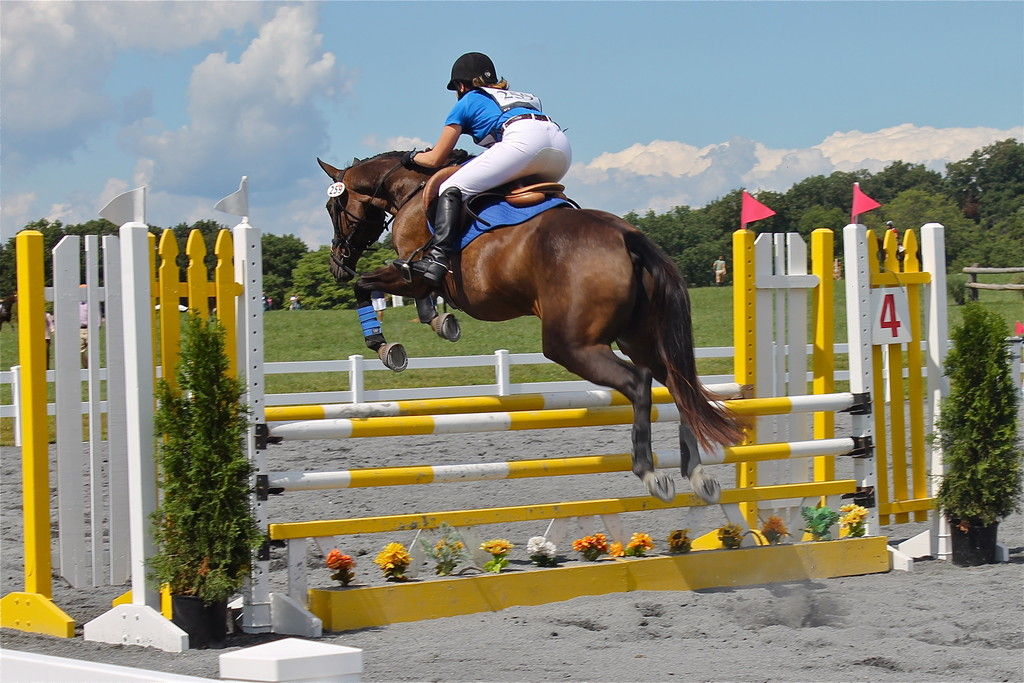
x: 853, y: 520
x: 499, y: 549
x: 679, y: 542
x: 639, y: 544
x: 448, y: 551
x: 615, y: 549
x: 773, y: 530
x: 730, y: 535
x: 819, y: 522
x: 393, y: 561
x: 342, y: 566
x: 591, y: 547
x: 541, y: 552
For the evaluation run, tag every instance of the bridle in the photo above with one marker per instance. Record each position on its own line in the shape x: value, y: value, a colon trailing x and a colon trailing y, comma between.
x: 345, y: 245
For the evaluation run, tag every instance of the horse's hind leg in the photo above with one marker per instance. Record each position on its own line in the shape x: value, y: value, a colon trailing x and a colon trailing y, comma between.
x: 446, y: 325
x: 704, y: 485
x: 598, y: 364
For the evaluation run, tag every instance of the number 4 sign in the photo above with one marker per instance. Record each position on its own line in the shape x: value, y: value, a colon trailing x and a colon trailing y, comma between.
x: 890, y: 314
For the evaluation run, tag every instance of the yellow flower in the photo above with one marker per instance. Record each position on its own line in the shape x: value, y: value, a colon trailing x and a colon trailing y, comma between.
x: 496, y: 546
x: 393, y: 556
x: 615, y: 549
x: 639, y: 540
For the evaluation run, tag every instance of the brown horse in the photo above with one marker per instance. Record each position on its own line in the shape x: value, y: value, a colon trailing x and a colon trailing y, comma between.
x: 590, y: 277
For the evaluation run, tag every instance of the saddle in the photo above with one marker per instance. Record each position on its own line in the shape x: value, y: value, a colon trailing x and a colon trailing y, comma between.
x: 520, y: 193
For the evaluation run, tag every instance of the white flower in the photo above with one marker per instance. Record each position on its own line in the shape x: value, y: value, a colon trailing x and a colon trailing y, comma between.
x: 538, y: 545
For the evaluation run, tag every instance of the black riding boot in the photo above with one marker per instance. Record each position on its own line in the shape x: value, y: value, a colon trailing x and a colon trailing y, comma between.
x: 447, y: 216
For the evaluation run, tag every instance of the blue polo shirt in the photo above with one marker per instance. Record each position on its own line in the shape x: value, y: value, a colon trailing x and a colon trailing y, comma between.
x: 479, y: 115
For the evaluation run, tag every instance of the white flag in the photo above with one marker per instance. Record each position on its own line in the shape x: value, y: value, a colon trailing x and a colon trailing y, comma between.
x: 126, y: 207
x: 236, y: 203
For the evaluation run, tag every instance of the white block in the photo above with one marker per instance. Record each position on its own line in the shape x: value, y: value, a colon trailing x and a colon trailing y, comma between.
x: 290, y: 618
x: 20, y: 666
x: 136, y: 625
x: 293, y: 659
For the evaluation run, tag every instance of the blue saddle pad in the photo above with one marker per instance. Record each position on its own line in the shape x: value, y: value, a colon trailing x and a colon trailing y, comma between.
x: 499, y: 213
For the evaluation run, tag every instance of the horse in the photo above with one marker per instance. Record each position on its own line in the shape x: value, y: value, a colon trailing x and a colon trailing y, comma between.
x: 591, y: 278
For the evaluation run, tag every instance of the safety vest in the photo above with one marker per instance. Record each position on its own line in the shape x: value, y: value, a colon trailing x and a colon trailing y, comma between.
x: 510, y: 99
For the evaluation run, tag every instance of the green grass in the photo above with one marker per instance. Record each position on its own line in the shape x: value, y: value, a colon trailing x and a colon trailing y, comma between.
x: 328, y: 335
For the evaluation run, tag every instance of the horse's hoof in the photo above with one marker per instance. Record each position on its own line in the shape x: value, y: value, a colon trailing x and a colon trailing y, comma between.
x: 660, y: 486
x: 705, y: 486
x: 447, y: 327
x: 393, y: 356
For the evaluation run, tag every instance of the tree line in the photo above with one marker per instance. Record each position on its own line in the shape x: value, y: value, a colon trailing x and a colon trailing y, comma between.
x: 980, y: 201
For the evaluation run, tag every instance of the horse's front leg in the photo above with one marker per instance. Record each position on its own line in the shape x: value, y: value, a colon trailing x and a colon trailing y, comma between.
x: 446, y: 325
x: 392, y: 355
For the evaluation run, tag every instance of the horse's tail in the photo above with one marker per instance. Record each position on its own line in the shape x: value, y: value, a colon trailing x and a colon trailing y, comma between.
x: 669, y: 309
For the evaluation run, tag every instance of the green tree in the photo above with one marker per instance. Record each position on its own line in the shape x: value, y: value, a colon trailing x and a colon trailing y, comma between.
x: 913, y: 208
x: 281, y: 254
x: 989, y: 184
x: 978, y: 424
x: 313, y: 283
x: 205, y: 526
x: 898, y: 177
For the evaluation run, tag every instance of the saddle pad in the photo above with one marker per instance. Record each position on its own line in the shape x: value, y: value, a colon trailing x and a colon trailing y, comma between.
x: 499, y: 213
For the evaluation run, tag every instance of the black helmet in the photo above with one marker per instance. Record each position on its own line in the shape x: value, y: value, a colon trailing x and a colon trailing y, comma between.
x: 470, y: 66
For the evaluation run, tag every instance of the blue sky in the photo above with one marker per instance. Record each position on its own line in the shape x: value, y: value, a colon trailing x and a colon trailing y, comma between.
x: 665, y: 103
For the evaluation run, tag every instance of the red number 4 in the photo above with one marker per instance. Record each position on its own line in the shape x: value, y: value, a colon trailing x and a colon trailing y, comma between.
x: 888, y: 320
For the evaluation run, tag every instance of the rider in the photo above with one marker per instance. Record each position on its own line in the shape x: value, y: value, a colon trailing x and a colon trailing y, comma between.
x: 520, y: 140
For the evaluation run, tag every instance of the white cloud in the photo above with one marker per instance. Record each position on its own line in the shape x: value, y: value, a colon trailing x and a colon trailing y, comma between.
x: 377, y: 144
x: 664, y: 174
x: 257, y: 116
x: 55, y: 58
x: 913, y: 144
x: 16, y: 211
x: 168, y: 26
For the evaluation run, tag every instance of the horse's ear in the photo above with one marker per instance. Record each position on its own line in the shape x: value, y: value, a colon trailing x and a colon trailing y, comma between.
x: 334, y: 173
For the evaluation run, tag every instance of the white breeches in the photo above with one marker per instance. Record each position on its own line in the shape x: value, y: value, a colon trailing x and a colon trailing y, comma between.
x: 527, y: 148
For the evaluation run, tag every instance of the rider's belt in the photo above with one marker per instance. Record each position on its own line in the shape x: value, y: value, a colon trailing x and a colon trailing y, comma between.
x: 520, y: 117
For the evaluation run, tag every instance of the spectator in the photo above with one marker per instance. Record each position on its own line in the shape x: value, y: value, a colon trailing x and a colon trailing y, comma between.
x: 83, y: 329
x: 837, y: 269
x: 48, y: 331
x: 720, y: 270
x: 379, y: 303
x: 293, y: 303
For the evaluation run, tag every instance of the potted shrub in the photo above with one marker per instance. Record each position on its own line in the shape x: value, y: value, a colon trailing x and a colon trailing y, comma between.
x: 204, y: 526
x: 977, y: 430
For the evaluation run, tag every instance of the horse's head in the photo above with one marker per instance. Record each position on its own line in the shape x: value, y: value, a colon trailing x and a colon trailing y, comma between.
x: 361, y: 196
x: 357, y: 210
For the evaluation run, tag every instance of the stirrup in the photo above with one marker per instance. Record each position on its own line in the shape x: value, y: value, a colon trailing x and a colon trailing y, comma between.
x: 435, y: 269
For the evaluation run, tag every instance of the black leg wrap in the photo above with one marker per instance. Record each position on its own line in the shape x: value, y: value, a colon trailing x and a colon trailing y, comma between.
x: 426, y: 310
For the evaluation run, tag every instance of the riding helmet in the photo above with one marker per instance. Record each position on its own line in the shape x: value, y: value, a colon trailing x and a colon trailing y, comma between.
x: 471, y: 65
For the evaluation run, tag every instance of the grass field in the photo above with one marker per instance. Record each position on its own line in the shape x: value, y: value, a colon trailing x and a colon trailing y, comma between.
x: 328, y: 335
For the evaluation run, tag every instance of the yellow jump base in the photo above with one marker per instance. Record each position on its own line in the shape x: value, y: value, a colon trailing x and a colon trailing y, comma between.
x: 345, y: 609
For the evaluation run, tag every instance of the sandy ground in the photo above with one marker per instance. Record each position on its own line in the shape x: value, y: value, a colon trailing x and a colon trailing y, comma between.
x: 938, y: 623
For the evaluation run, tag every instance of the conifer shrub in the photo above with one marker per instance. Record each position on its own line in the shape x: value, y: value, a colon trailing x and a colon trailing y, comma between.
x: 204, y: 525
x: 978, y: 424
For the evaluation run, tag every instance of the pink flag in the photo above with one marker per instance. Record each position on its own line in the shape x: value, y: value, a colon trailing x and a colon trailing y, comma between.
x: 1018, y: 329
x: 753, y: 210
x: 861, y: 203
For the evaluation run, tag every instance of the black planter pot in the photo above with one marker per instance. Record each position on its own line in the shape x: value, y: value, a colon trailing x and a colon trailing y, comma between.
x: 206, y: 625
x: 975, y: 546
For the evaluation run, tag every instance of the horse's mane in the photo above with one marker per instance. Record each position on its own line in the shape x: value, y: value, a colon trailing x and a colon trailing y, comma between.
x: 457, y: 156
